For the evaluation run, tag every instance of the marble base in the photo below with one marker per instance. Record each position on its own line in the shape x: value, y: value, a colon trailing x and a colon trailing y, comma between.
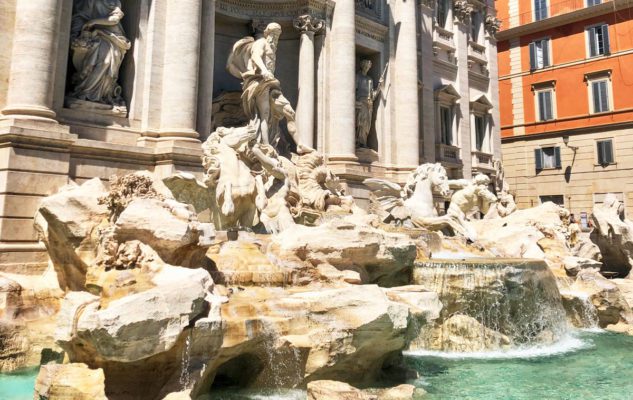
x: 366, y: 155
x: 97, y: 108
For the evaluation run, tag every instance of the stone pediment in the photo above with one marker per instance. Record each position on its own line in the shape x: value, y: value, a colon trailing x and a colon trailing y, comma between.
x: 447, y: 93
x: 278, y: 10
x: 482, y: 103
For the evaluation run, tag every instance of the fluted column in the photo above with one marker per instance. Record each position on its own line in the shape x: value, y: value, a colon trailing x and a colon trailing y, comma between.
x: 405, y: 84
x: 341, y: 140
x: 33, y: 60
x: 179, y: 103
x: 308, y: 26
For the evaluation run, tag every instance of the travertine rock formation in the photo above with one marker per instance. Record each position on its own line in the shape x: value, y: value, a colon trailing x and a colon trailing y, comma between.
x: 613, y: 235
x: 70, y: 381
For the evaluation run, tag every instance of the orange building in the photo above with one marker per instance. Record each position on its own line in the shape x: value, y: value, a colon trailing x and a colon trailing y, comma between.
x: 566, y: 101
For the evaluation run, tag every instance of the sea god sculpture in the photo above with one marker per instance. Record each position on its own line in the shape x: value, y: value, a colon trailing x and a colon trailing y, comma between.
x: 98, y: 45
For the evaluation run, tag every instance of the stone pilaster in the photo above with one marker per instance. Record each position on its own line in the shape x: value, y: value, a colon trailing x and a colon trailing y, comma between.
x: 341, y: 133
x: 33, y: 60
x: 308, y: 26
x: 179, y: 104
x: 406, y: 136
x: 207, y: 56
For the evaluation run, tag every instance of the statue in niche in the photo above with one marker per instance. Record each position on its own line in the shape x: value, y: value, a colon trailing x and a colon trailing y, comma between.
x: 366, y: 94
x: 98, y: 45
x: 253, y: 61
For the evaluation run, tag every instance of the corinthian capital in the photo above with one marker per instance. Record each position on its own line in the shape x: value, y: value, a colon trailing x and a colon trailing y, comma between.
x: 307, y: 23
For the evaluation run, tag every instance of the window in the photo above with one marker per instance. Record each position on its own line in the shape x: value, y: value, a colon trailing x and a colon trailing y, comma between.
x: 554, y: 198
x: 442, y: 12
x: 480, y: 132
x: 547, y: 158
x: 600, y: 95
x: 446, y: 125
x: 545, y: 104
x: 475, y: 26
x: 598, y: 40
x: 605, y: 152
x: 593, y: 2
x: 539, y: 54
x: 540, y: 9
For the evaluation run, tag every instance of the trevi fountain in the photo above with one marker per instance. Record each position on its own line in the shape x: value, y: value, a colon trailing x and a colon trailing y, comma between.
x: 263, y: 279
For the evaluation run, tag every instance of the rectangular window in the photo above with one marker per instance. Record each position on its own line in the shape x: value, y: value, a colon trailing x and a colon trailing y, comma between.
x: 547, y: 158
x: 600, y: 95
x: 598, y: 40
x: 475, y: 26
x: 442, y: 12
x: 554, y: 198
x: 593, y: 2
x: 539, y: 54
x: 446, y: 125
x: 605, y: 152
x: 545, y: 105
x: 540, y: 9
x: 480, y: 132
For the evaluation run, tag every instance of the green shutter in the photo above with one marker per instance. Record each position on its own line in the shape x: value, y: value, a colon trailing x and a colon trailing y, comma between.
x: 545, y: 49
x: 557, y: 156
x: 538, y: 159
x: 532, y: 56
x: 592, y: 42
x: 608, y: 151
x: 605, y: 38
x: 601, y: 153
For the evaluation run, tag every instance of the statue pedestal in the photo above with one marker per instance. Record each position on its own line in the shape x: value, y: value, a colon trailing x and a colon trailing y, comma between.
x: 97, y: 108
x: 366, y: 155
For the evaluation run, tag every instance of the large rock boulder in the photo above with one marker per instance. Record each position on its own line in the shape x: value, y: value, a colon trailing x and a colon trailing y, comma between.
x: 335, y: 390
x: 377, y: 256
x: 70, y: 381
x: 68, y: 223
x: 613, y: 235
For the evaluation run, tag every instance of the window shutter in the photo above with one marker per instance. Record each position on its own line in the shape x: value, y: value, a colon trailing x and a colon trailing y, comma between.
x: 592, y: 41
x: 605, y: 38
x: 538, y: 159
x: 548, y: 105
x: 545, y: 49
x: 604, y: 99
x: 595, y: 92
x: 557, y: 156
x: 608, y: 151
x: 601, y: 153
x: 532, y: 56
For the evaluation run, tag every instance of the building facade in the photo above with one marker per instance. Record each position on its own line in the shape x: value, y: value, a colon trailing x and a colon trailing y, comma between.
x: 565, y: 80
x: 433, y: 81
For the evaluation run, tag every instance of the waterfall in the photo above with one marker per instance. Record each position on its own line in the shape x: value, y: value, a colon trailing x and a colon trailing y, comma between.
x: 491, y: 304
x: 184, y: 362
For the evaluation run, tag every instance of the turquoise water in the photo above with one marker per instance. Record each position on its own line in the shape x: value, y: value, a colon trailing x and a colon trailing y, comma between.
x: 18, y: 386
x: 589, y: 366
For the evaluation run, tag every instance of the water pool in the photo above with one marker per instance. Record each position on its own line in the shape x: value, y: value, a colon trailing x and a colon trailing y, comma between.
x: 586, y: 366
x: 18, y: 386
x: 590, y: 365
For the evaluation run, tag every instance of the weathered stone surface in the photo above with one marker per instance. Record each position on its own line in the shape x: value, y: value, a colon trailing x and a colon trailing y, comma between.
x: 462, y: 333
x: 422, y: 302
x: 334, y: 390
x: 626, y: 288
x: 136, y: 326
x: 14, y: 346
x: 67, y: 222
x: 70, y: 382
x: 184, y: 395
x: 379, y: 257
x: 613, y: 235
x: 573, y: 265
x: 400, y: 392
x: 585, y: 248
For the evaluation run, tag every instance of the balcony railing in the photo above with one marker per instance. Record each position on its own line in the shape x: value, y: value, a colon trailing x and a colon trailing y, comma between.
x: 443, y: 38
x: 482, y: 160
x: 477, y: 53
x: 554, y: 8
x: 448, y: 153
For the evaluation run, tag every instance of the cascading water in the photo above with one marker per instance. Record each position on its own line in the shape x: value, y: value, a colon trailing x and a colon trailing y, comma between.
x: 184, y: 363
x: 491, y: 304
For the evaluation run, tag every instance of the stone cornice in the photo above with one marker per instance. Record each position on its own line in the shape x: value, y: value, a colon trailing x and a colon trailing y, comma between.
x: 277, y: 10
x: 371, y: 29
x: 308, y: 24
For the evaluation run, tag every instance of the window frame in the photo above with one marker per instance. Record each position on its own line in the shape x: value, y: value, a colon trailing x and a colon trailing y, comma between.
x: 451, y: 111
x: 547, y: 56
x: 537, y: 104
x: 448, y: 14
x: 606, y: 45
x: 539, y: 163
x: 595, y: 3
x: 484, y: 132
x: 534, y: 12
x: 598, y: 155
x: 596, y: 77
x: 541, y: 196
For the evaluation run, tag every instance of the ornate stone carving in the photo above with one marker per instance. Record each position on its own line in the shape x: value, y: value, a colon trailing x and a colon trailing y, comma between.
x: 462, y: 10
x: 366, y: 94
x: 492, y: 24
x: 429, y: 3
x: 253, y: 61
x: 98, y: 45
x: 308, y: 24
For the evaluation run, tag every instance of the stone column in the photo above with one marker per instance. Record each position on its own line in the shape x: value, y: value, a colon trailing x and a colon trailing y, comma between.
x: 207, y: 55
x: 33, y: 60
x: 179, y: 103
x: 406, y: 136
x: 341, y: 133
x: 308, y: 26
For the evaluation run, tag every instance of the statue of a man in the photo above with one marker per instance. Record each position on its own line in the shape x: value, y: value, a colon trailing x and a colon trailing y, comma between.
x: 98, y: 46
x: 253, y: 61
x: 472, y: 196
x: 366, y: 94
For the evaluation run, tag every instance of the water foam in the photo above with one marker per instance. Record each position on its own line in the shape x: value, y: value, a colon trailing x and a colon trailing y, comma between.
x: 567, y: 344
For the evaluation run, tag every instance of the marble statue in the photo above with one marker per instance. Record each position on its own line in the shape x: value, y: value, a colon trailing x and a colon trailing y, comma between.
x: 98, y: 45
x: 253, y: 61
x: 471, y: 197
x: 366, y: 94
